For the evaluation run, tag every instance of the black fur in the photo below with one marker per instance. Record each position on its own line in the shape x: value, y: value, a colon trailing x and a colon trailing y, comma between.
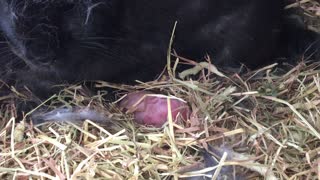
x: 45, y: 42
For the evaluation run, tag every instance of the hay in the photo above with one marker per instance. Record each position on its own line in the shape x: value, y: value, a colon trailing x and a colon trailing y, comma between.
x: 265, y: 122
x: 268, y: 120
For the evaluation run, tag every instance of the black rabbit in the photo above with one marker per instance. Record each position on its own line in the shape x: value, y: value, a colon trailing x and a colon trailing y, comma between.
x: 46, y: 42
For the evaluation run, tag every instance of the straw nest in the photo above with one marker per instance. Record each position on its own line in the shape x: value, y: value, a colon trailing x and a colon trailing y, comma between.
x: 267, y: 123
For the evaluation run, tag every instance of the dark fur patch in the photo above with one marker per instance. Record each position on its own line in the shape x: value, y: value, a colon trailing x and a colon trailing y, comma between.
x: 56, y: 41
